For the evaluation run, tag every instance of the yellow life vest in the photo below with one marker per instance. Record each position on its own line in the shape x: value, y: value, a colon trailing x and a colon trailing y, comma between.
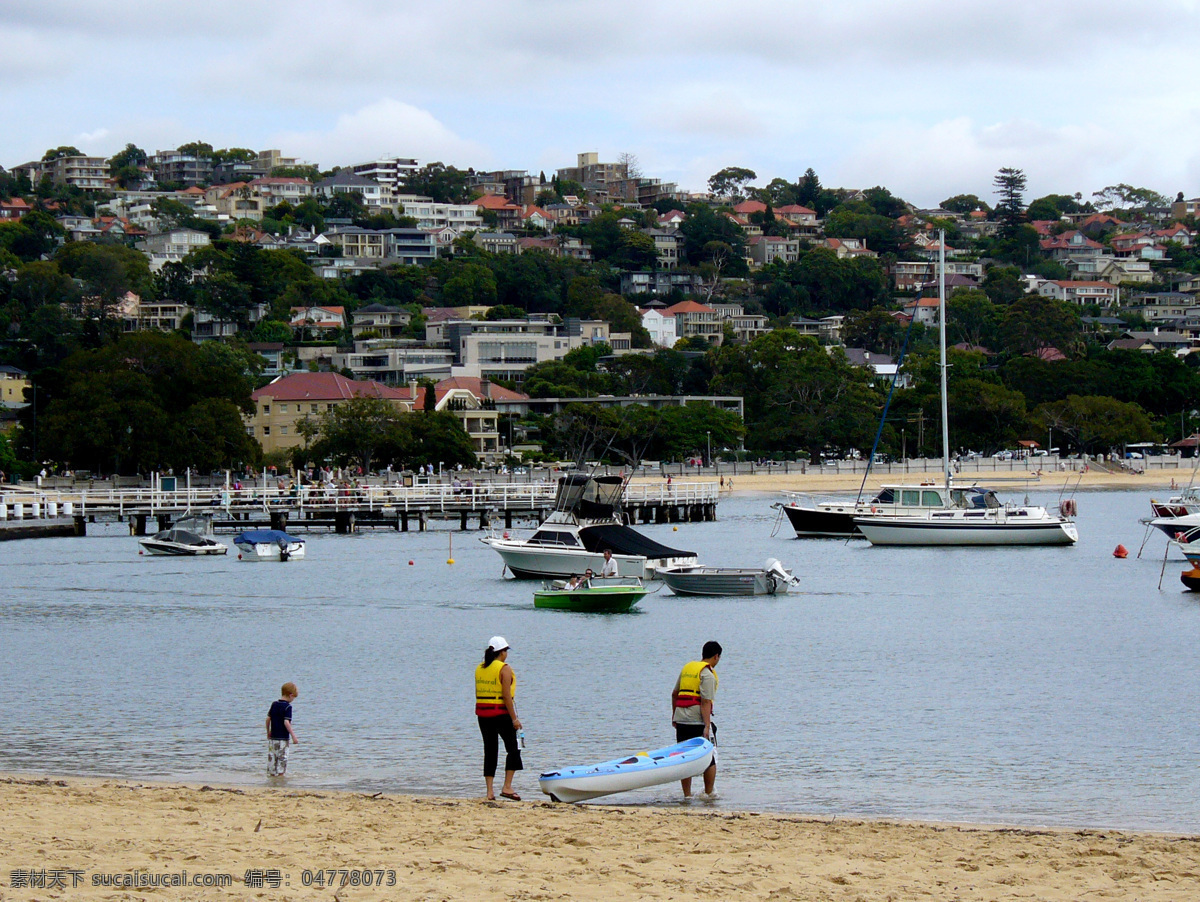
x: 689, y: 684
x: 489, y: 694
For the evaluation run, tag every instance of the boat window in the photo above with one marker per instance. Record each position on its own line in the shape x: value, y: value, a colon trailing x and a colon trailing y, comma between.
x: 553, y: 537
x: 910, y: 497
x: 931, y: 499
x: 885, y: 497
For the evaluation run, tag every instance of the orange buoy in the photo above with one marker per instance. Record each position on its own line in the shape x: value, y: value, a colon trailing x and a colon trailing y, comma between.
x: 1121, y: 552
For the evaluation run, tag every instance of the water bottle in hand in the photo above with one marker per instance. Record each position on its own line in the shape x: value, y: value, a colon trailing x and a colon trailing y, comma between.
x: 521, y: 737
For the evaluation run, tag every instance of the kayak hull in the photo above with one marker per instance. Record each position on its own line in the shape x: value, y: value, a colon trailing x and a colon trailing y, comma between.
x: 666, y: 765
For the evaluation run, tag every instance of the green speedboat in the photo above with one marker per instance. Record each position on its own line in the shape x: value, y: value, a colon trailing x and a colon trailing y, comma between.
x: 592, y: 596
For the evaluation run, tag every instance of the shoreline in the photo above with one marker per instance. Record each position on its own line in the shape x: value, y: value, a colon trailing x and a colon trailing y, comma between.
x: 453, y: 848
x: 1003, y: 481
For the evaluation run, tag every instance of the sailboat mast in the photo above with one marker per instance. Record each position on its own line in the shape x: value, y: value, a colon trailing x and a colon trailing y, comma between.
x: 942, y: 333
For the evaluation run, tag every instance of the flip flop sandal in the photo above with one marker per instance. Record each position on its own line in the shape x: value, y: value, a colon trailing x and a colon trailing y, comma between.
x: 510, y: 795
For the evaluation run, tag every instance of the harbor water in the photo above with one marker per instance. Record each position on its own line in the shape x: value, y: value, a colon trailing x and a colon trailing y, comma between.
x: 1023, y: 686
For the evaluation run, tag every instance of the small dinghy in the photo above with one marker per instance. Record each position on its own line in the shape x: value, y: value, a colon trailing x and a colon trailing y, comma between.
x: 268, y: 545
x: 593, y: 596
x: 771, y: 579
x: 675, y: 762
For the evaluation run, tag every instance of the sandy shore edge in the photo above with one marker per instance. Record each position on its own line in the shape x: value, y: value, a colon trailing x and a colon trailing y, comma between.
x: 438, y: 848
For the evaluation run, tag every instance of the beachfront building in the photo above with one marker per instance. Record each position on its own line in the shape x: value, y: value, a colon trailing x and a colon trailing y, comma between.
x: 282, y: 404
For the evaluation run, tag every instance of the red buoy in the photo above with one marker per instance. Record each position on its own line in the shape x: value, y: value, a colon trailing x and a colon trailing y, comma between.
x: 1121, y: 552
x: 410, y: 563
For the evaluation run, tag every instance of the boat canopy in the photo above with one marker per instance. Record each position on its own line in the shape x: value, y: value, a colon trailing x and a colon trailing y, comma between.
x: 182, y: 537
x: 623, y: 540
x: 266, y: 537
x: 589, y: 497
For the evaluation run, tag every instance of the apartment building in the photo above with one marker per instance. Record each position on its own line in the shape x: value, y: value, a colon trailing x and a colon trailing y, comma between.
x: 280, y: 406
x: 188, y: 169
x: 390, y: 172
x: 764, y: 249
x: 432, y: 215
x: 275, y: 190
x: 83, y: 172
x: 406, y: 246
x: 661, y: 327
x: 504, y: 349
x: 13, y: 383
x: 345, y: 181
x: 395, y: 361
x: 603, y: 181
x: 669, y: 244
x: 171, y: 246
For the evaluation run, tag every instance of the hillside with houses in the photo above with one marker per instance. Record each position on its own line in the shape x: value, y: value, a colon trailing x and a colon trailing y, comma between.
x: 525, y: 310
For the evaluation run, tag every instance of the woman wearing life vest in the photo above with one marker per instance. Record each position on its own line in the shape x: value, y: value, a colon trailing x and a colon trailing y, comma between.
x: 692, y: 707
x: 495, y: 688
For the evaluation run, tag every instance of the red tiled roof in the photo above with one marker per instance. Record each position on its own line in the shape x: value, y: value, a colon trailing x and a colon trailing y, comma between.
x: 795, y: 209
x: 750, y: 206
x: 326, y: 387
x: 474, y: 385
x: 688, y: 307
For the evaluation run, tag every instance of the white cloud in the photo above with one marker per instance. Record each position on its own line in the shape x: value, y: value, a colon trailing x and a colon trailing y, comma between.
x: 386, y: 126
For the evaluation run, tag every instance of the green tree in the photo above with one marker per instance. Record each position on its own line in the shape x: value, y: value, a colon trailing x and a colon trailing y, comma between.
x: 124, y: 166
x: 971, y: 317
x: 964, y: 204
x: 56, y: 153
x: 1035, y: 322
x: 443, y: 183
x: 731, y: 181
x: 1010, y: 185
x: 472, y: 284
x: 1096, y: 424
x: 355, y: 430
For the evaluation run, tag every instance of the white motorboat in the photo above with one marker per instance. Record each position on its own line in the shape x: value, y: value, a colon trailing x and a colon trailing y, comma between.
x: 977, y: 520
x: 181, y: 543
x: 585, y: 522
x: 723, y: 582
x: 268, y: 545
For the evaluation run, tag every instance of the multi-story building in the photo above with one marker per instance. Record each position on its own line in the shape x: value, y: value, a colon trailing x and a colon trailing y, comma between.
x: 504, y: 349
x: 273, y: 159
x: 140, y: 315
x: 79, y: 171
x: 390, y: 172
x: 669, y: 244
x: 431, y: 215
x: 229, y: 171
x: 175, y: 168
x: 1173, y: 305
x: 207, y: 326
x: 395, y: 361
x: 912, y: 275
x: 1103, y: 294
x: 764, y: 249
x: 386, y: 320
x: 374, y: 194
x: 235, y: 201
x: 497, y: 242
x: 406, y: 246
x: 13, y: 383
x: 602, y: 181
x: 661, y: 326
x: 660, y: 281
x: 171, y: 246
x: 281, y: 405
x: 693, y: 320
x: 274, y: 190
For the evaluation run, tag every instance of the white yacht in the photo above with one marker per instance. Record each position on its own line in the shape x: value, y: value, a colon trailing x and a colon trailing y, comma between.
x: 586, y: 520
x: 812, y: 517
x: 980, y: 519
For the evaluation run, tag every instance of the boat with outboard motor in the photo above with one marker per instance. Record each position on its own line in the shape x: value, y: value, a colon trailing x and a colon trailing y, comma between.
x: 666, y: 765
x: 586, y: 520
x: 181, y: 543
x: 268, y: 545
x: 723, y: 582
x: 596, y: 595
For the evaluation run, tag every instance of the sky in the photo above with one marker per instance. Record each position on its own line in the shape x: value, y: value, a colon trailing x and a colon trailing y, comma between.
x: 928, y: 98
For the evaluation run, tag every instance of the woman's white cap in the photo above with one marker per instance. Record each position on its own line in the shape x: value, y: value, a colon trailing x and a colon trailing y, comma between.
x: 497, y: 644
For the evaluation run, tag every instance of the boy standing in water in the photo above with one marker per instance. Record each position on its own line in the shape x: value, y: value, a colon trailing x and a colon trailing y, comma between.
x: 279, y: 731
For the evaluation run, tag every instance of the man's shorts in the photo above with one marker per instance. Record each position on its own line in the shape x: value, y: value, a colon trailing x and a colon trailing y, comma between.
x: 686, y: 731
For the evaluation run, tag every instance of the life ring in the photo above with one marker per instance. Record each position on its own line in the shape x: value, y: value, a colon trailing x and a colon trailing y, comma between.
x: 772, y: 585
x: 1181, y: 538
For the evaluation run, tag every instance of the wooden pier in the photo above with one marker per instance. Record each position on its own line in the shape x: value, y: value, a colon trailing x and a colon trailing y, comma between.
x: 345, y: 510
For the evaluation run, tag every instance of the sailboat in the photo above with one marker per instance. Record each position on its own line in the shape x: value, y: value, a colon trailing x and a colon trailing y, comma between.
x: 966, y: 518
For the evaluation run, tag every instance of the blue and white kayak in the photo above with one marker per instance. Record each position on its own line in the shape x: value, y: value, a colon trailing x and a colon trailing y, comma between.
x: 589, y: 781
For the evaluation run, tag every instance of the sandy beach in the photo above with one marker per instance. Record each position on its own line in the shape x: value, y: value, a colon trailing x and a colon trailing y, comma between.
x: 95, y: 832
x: 1005, y: 482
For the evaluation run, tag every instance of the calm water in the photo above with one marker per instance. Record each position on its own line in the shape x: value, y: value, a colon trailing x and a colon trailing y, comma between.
x: 1023, y: 686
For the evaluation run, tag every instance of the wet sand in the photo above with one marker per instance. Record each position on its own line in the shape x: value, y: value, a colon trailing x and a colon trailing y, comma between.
x: 472, y: 849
